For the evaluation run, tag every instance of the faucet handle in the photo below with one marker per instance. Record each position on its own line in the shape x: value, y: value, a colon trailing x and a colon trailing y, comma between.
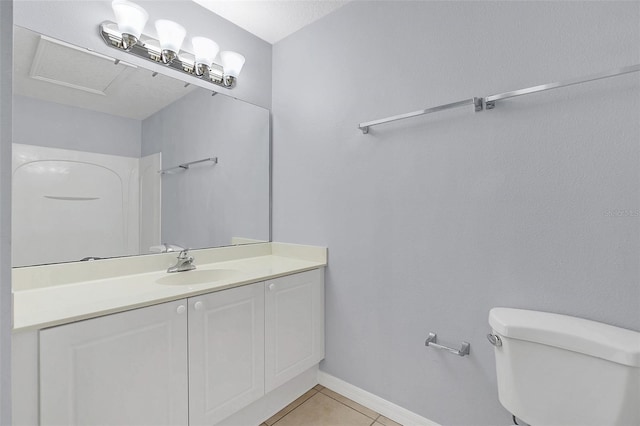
x: 184, y: 254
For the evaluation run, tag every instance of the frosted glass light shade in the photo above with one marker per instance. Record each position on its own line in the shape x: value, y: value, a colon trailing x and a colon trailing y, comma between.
x: 205, y: 50
x: 232, y: 63
x: 170, y: 34
x: 131, y: 18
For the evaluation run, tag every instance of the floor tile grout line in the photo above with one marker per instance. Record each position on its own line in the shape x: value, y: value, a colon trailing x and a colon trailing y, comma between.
x: 354, y: 409
x: 297, y: 406
x: 374, y: 419
x: 316, y: 391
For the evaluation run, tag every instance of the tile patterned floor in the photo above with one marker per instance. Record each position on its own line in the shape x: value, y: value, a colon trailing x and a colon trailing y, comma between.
x: 321, y: 406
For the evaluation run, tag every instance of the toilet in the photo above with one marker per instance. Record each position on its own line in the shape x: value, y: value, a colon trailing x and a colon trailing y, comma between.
x: 559, y: 370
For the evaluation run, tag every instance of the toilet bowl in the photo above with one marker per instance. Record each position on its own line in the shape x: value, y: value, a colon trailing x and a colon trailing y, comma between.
x: 559, y: 370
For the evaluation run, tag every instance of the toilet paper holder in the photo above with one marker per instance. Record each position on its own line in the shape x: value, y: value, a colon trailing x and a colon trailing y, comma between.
x: 432, y: 340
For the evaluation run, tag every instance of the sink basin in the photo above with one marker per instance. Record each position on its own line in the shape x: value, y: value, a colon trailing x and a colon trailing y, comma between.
x: 198, y: 276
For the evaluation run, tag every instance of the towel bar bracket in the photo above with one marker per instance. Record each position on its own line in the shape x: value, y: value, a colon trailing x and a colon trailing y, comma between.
x: 478, y: 104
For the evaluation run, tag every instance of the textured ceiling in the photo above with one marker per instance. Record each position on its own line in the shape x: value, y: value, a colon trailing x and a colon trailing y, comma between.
x: 54, y: 71
x: 129, y: 91
x: 272, y: 20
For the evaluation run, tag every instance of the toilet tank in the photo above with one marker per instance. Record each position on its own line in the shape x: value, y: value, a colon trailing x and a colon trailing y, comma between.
x: 559, y: 370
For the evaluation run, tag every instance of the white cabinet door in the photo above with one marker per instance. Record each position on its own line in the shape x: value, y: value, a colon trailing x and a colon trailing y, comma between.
x: 226, y: 352
x: 294, y: 326
x: 128, y: 369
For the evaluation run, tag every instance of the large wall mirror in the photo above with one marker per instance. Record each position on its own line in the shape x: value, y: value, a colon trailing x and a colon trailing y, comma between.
x: 100, y: 158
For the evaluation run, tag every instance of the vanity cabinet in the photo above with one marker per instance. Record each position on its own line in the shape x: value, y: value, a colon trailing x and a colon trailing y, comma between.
x: 294, y: 326
x: 193, y: 361
x: 226, y: 352
x: 128, y: 368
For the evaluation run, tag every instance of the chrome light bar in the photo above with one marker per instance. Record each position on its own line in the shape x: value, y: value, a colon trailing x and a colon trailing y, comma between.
x: 149, y: 48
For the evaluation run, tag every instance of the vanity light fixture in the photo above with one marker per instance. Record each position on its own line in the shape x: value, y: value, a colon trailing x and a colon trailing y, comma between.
x: 232, y: 63
x: 171, y: 36
x: 127, y: 35
x: 205, y: 51
x: 131, y: 19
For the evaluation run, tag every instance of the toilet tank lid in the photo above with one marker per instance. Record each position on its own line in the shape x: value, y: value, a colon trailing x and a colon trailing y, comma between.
x: 575, y: 334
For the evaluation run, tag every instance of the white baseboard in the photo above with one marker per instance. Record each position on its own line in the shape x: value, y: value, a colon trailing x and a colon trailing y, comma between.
x: 377, y: 404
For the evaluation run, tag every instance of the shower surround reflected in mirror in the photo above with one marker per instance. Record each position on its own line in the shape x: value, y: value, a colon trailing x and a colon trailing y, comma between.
x: 90, y: 138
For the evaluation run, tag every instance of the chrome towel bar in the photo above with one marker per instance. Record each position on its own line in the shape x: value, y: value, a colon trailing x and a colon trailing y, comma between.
x: 432, y: 338
x: 489, y: 102
x: 476, y: 102
x: 186, y: 166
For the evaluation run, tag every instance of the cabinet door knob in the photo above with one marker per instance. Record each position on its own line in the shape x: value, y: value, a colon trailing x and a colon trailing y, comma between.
x: 180, y: 309
x: 272, y: 286
x: 198, y: 305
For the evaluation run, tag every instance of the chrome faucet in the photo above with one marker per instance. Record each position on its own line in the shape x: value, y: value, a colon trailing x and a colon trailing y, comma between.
x: 184, y: 263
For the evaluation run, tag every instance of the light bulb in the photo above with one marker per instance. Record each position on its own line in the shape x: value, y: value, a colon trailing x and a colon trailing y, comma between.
x: 171, y: 36
x: 205, y: 51
x: 232, y: 63
x: 131, y: 19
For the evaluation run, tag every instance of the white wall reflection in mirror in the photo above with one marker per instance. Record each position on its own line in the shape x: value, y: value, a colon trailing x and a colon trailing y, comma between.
x: 90, y: 137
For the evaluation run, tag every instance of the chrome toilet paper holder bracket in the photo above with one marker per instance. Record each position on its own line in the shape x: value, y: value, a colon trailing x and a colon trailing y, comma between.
x: 432, y: 340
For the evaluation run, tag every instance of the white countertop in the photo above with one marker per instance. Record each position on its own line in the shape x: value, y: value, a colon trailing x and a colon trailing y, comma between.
x: 38, y: 306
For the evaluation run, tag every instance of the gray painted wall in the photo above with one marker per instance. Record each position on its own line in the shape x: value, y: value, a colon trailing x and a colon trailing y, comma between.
x: 207, y: 205
x: 76, y: 22
x: 66, y: 127
x: 430, y: 222
x: 6, y: 318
